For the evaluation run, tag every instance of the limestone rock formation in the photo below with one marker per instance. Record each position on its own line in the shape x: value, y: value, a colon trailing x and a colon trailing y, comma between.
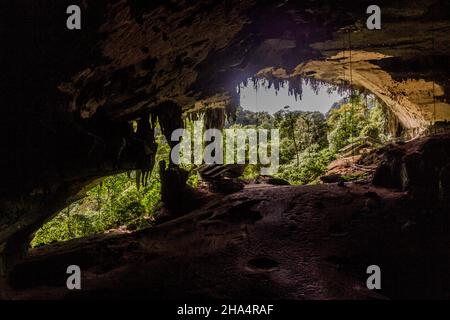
x: 67, y: 97
x: 419, y: 167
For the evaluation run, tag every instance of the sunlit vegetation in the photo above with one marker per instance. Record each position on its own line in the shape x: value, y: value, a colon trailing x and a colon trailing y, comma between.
x: 309, y: 141
x: 115, y: 203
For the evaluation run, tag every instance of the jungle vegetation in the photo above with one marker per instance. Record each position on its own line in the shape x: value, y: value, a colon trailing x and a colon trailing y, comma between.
x: 309, y: 141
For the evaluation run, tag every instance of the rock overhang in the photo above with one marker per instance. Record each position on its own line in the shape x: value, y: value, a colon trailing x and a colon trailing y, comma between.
x: 61, y: 88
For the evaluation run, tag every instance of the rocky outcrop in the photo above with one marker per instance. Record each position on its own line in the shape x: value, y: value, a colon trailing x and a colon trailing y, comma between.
x: 420, y: 167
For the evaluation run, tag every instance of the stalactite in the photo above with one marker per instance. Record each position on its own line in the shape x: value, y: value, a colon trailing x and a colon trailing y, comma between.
x: 231, y: 106
x: 295, y: 87
x: 255, y: 83
x: 138, y: 179
x: 214, y: 118
x: 146, y: 133
x: 295, y: 84
x: 276, y: 82
x: 169, y: 115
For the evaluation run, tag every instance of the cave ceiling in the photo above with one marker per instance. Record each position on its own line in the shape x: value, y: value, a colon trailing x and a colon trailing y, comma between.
x: 130, y: 56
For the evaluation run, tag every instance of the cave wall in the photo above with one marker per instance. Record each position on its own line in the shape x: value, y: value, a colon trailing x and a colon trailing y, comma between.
x: 67, y: 96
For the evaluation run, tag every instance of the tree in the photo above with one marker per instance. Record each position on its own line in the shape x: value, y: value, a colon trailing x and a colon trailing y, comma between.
x: 312, y: 129
x: 346, y: 123
x: 292, y: 127
x: 354, y: 119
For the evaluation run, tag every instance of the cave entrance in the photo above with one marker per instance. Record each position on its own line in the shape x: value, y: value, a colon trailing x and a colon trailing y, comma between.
x: 319, y: 123
x: 116, y: 204
x: 120, y: 203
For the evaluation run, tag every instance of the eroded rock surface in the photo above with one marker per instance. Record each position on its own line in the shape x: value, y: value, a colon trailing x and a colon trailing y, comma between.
x: 312, y: 242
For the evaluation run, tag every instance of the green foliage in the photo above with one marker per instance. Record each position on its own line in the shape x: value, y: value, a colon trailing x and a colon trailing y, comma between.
x: 315, y: 138
x: 114, y: 203
x: 308, y: 143
x: 247, y: 118
x: 298, y: 131
x: 313, y: 163
x: 251, y: 172
x: 354, y: 177
x: 354, y: 119
x: 375, y: 126
x: 346, y: 123
x: 193, y: 179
